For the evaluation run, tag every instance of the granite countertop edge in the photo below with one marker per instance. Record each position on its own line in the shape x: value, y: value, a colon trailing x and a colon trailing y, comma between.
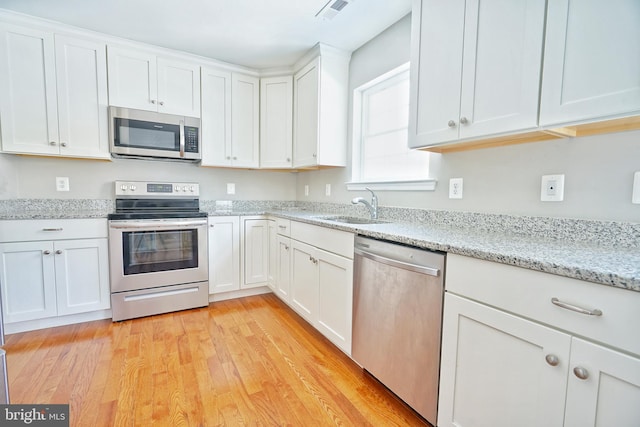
x: 607, y: 266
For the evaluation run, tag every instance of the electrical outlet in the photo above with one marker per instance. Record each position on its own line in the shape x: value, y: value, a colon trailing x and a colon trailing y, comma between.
x: 327, y: 190
x: 62, y: 183
x: 231, y: 188
x: 552, y: 188
x: 306, y: 190
x: 455, y: 188
x: 635, y: 198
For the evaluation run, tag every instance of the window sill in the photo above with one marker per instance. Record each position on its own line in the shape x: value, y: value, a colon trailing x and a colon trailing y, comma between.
x: 421, y: 185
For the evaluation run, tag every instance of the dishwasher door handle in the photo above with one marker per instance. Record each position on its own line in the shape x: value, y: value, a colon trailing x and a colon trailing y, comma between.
x: 400, y: 264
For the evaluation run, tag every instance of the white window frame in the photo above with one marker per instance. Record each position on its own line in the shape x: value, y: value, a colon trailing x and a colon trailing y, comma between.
x: 356, y: 184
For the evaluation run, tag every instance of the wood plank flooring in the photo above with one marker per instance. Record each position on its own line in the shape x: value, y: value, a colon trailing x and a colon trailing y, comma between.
x: 249, y: 361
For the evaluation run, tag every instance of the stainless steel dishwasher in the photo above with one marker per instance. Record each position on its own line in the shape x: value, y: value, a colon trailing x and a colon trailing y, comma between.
x: 397, y: 319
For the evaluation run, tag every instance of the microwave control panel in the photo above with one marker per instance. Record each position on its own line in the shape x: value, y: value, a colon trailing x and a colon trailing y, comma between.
x: 190, y: 139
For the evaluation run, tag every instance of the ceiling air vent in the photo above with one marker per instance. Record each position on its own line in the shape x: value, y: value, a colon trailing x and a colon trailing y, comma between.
x: 332, y: 8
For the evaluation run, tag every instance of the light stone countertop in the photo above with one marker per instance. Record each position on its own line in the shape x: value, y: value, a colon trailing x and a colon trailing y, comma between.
x: 601, y: 252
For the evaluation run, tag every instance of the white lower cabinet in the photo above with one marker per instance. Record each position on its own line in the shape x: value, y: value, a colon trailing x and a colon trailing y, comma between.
x: 493, y: 369
x: 321, y: 280
x: 224, y: 254
x: 255, y: 252
x: 48, y: 278
x: 501, y: 366
x: 283, y: 268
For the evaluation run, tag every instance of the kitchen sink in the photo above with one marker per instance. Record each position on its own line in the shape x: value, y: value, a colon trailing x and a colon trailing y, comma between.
x: 352, y: 220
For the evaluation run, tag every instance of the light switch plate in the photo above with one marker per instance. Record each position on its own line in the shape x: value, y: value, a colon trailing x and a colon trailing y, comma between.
x: 635, y: 198
x: 552, y: 188
x: 231, y: 188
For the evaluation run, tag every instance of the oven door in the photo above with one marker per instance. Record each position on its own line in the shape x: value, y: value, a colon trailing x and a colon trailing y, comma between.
x: 151, y: 253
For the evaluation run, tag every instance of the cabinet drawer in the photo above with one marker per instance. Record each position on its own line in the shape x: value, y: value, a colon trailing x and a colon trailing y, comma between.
x: 528, y: 293
x: 283, y: 226
x: 336, y: 241
x: 52, y: 229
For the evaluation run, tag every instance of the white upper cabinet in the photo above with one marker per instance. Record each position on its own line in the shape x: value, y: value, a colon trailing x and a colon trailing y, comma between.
x: 53, y: 94
x: 591, y: 61
x: 320, y: 110
x: 144, y: 81
x: 230, y: 119
x: 475, y: 69
x: 276, y: 126
x: 216, y: 117
x: 245, y: 121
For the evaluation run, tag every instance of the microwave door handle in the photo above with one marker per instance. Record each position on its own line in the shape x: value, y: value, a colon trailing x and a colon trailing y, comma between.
x: 181, y: 138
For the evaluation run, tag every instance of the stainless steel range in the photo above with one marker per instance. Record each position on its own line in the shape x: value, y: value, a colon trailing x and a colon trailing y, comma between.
x: 157, y: 249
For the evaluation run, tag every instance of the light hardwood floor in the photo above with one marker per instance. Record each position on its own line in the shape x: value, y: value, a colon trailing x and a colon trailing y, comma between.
x: 249, y: 361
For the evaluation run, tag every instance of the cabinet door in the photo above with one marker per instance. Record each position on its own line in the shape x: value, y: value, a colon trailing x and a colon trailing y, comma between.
x: 276, y: 127
x: 494, y: 370
x: 28, y: 281
x: 335, y: 298
x: 610, y: 394
x: 82, y: 275
x: 216, y: 117
x: 305, y: 115
x: 273, y: 255
x: 132, y: 79
x: 436, y: 71
x: 304, y: 281
x: 283, y: 268
x: 591, y: 60
x: 245, y: 121
x: 224, y: 254
x: 28, y: 81
x: 178, y: 87
x: 501, y: 66
x: 256, y: 253
x: 81, y: 69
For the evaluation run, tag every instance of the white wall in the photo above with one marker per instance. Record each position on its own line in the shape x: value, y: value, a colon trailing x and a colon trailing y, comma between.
x: 598, y: 170
x: 34, y: 177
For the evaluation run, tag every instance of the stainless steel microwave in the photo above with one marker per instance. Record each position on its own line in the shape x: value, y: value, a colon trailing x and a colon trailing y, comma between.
x: 148, y: 135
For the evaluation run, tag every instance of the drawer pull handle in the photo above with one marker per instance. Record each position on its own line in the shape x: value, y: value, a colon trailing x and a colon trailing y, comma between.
x: 552, y: 359
x: 284, y: 227
x: 594, y: 312
x: 47, y: 252
x: 581, y: 372
x: 52, y: 229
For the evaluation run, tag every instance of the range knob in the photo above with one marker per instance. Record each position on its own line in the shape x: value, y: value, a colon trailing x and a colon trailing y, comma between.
x: 123, y: 187
x: 133, y: 187
x: 191, y: 188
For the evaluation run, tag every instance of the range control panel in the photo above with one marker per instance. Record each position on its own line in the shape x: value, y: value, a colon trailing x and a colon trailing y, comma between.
x: 157, y: 189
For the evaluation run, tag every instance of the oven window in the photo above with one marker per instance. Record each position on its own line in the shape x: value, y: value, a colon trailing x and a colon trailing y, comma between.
x: 149, y: 251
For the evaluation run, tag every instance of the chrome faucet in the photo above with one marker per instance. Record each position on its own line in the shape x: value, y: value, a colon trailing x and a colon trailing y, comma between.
x: 373, y: 206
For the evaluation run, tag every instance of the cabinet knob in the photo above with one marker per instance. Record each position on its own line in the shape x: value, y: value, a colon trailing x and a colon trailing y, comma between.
x: 288, y: 159
x: 228, y: 157
x: 235, y: 158
x: 315, y: 155
x: 64, y: 144
x: 161, y: 103
x: 581, y: 372
x: 153, y: 101
x: 52, y: 143
x: 47, y: 252
x: 59, y: 251
x: 552, y: 359
x: 211, y: 225
x: 451, y: 124
x: 286, y: 248
x: 463, y: 121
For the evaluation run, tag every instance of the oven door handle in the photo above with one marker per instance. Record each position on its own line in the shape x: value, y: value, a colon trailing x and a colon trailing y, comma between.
x: 181, y: 138
x: 156, y: 224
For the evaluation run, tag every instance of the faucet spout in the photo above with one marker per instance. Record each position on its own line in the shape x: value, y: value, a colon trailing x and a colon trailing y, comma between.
x: 373, y: 206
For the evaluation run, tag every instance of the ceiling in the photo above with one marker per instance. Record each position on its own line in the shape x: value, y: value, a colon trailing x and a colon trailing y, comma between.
x: 254, y: 33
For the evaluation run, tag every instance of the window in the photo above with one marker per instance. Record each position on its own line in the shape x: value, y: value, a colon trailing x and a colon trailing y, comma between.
x: 381, y: 157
